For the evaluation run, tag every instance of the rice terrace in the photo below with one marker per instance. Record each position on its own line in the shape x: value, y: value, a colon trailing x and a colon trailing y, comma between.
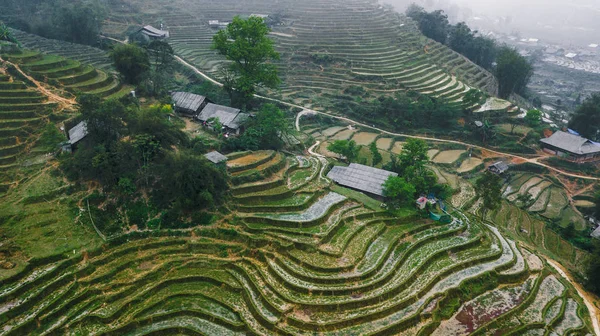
x: 255, y: 167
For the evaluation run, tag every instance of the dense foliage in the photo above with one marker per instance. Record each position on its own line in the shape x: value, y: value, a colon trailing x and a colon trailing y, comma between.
x: 131, y: 61
x: 77, y: 21
x: 141, y: 157
x: 416, y: 178
x: 586, y: 119
x: 346, y: 148
x: 6, y: 35
x: 404, y: 110
x: 246, y: 45
x: 268, y: 129
x: 512, y: 70
x: 489, y: 188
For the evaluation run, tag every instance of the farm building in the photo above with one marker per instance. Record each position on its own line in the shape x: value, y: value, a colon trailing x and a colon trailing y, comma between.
x: 153, y: 33
x: 362, y: 178
x: 571, y: 147
x: 215, y: 157
x: 188, y: 104
x: 499, y: 167
x: 76, y: 134
x: 231, y: 118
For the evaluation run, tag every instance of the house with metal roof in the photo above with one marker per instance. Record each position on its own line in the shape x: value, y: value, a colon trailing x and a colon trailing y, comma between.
x: 499, y: 167
x: 362, y: 178
x: 571, y: 147
x: 215, y: 157
x: 231, y: 118
x: 154, y: 33
x: 188, y: 104
x: 76, y: 135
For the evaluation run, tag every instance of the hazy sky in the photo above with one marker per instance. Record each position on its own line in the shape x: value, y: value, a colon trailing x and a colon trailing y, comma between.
x: 565, y: 21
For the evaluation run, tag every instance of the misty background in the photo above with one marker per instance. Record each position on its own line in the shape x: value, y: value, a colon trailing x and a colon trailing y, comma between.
x: 566, y: 22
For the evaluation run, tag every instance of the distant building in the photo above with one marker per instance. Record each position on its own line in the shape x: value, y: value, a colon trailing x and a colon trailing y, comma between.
x: 213, y: 23
x: 215, y: 157
x: 571, y: 55
x: 152, y: 33
x: 499, y: 167
x: 262, y: 16
x: 231, y: 118
x: 188, y: 104
x: 596, y: 233
x: 76, y: 135
x: 571, y: 147
x: 362, y: 178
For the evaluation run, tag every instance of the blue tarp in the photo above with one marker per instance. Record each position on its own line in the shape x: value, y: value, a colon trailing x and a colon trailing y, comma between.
x: 573, y: 132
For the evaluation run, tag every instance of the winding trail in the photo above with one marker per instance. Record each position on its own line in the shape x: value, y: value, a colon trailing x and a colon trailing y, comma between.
x: 306, y: 111
x: 582, y: 293
x: 52, y: 97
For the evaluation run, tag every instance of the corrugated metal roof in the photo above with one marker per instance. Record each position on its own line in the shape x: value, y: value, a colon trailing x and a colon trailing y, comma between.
x: 155, y: 32
x: 228, y: 116
x: 78, y: 132
x: 188, y: 101
x: 361, y: 177
x: 215, y: 157
x: 501, y: 166
x: 571, y: 143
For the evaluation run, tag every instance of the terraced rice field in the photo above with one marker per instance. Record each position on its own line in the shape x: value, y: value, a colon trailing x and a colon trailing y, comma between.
x: 365, y: 44
x: 23, y: 110
x: 469, y: 165
x: 68, y: 74
x: 448, y: 157
x: 294, y: 258
x: 364, y: 138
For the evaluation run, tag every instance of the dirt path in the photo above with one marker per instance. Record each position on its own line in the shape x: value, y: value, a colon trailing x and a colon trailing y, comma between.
x: 53, y: 97
x: 306, y: 111
x: 587, y: 298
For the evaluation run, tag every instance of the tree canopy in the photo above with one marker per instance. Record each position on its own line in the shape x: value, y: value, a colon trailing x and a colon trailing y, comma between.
x: 6, y: 35
x: 131, y: 61
x: 489, y: 187
x: 346, y: 148
x: 267, y: 130
x: 513, y: 72
x: 533, y: 117
x: 434, y: 25
x: 586, y: 119
x: 77, y: 21
x: 245, y: 43
x: 398, y: 191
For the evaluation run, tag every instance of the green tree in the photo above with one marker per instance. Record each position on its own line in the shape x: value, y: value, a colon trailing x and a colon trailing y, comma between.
x: 377, y: 158
x: 489, y: 187
x: 398, y: 191
x: 6, y: 35
x: 245, y: 43
x: 189, y: 182
x: 267, y: 130
x: 346, y: 148
x: 414, y: 156
x: 104, y: 119
x: 131, y: 61
x: 434, y: 25
x: 513, y: 72
x: 156, y: 80
x: 78, y: 21
x: 533, y: 118
x: 586, y: 119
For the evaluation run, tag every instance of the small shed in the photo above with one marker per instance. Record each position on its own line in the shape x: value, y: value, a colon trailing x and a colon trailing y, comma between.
x: 76, y: 135
x: 213, y: 23
x: 215, y: 157
x: 231, y: 118
x: 188, y: 104
x: 499, y: 167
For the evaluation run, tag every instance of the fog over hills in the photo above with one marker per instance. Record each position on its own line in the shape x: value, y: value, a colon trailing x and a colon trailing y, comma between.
x: 565, y: 22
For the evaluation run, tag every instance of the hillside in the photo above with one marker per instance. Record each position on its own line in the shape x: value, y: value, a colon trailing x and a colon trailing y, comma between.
x: 326, y: 47
x: 299, y: 255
